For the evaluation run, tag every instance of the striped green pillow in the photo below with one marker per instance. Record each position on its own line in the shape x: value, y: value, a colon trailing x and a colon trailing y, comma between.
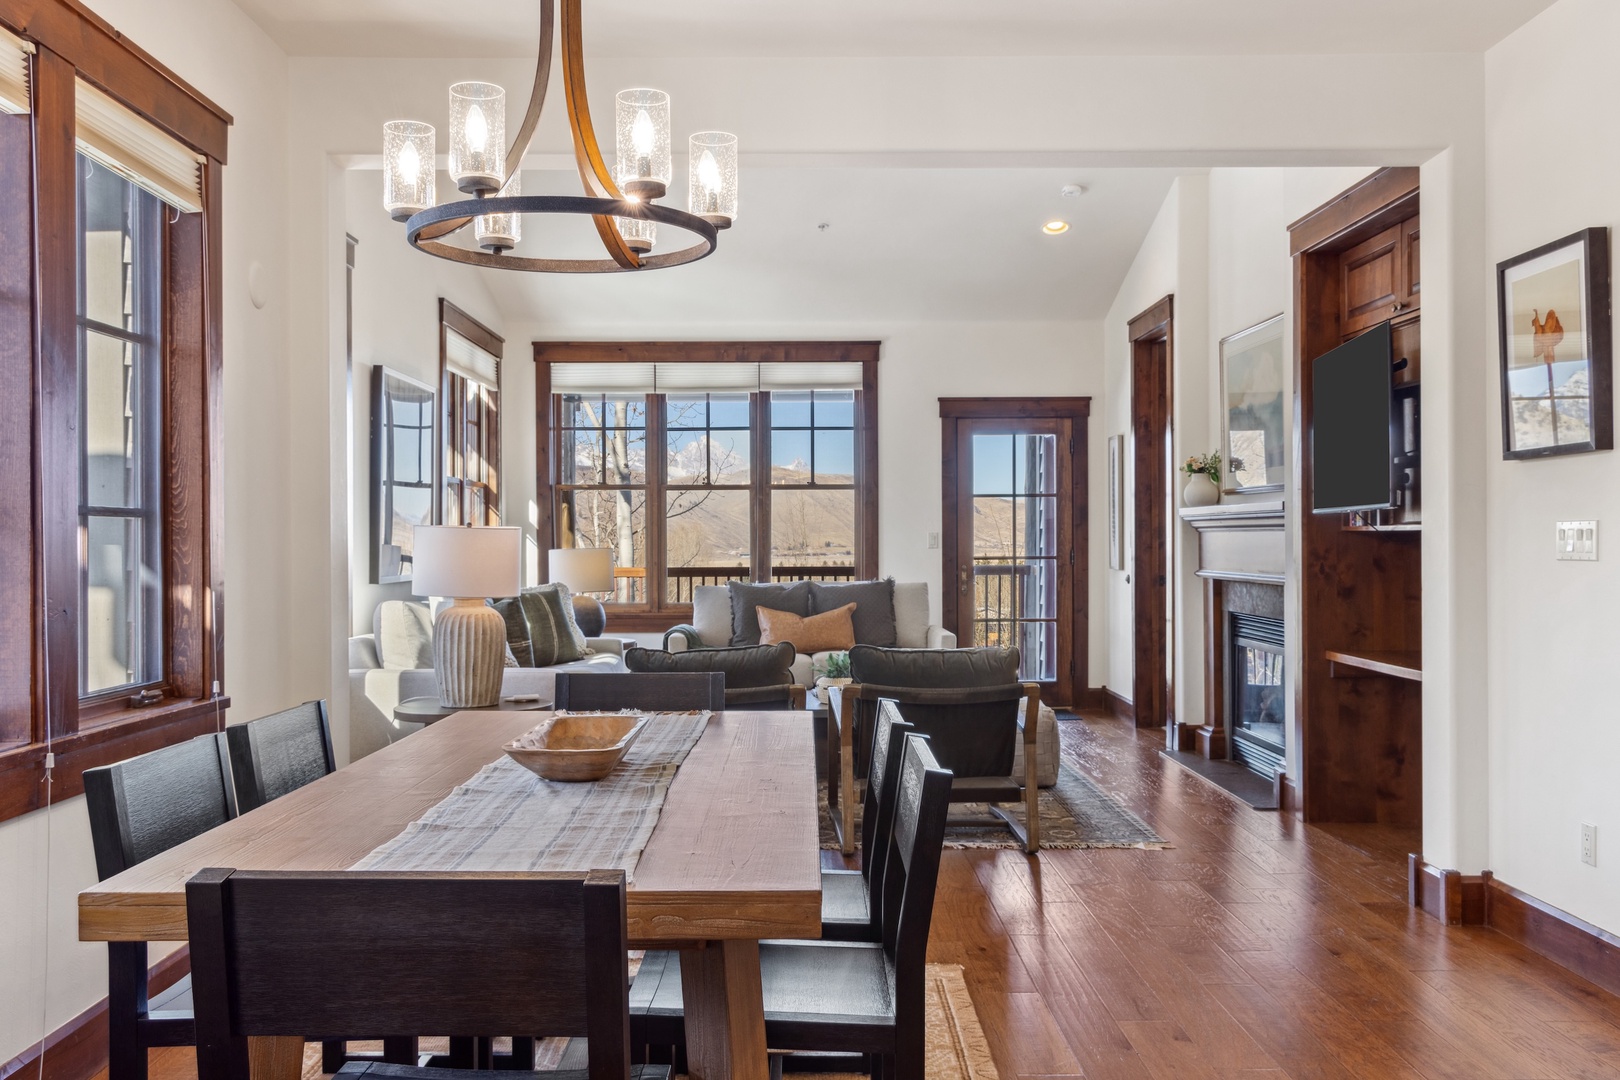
x: 540, y: 626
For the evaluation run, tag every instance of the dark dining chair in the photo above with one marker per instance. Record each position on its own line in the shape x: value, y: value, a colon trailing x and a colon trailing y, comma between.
x: 674, y: 691
x: 279, y: 753
x: 847, y: 997
x: 140, y: 808
x: 851, y: 908
x: 757, y: 677
x: 282, y: 953
x: 973, y: 708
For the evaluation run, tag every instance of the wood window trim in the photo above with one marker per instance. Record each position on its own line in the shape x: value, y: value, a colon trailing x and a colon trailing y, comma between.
x: 662, y: 617
x: 450, y: 414
x: 39, y: 469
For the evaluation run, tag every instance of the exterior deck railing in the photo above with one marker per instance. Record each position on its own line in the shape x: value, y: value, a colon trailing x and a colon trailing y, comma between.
x: 683, y: 579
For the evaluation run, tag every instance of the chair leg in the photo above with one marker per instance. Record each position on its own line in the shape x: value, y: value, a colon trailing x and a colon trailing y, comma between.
x: 401, y: 1050
x: 334, y: 1052
x: 846, y: 807
x: 126, y: 1005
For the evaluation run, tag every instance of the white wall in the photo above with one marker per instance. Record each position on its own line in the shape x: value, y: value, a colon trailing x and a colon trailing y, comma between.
x: 1552, y: 706
x: 45, y: 858
x: 396, y: 325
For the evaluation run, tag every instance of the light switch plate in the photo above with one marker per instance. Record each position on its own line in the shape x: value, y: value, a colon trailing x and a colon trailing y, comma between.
x: 1577, y: 541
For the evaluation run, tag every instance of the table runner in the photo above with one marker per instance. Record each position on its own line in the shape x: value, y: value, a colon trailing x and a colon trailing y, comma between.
x: 505, y: 818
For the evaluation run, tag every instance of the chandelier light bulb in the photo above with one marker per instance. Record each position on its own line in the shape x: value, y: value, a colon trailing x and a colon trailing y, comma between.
x: 477, y: 136
x: 501, y: 232
x: 641, y: 123
x: 408, y: 168
x: 712, y: 188
x: 639, y: 233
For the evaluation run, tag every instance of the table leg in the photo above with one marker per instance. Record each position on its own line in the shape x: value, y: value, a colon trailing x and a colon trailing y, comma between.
x: 276, y: 1057
x: 725, y: 1012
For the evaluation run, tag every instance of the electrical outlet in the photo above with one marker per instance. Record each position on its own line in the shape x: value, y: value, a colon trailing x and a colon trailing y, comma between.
x: 1577, y: 541
x: 1589, y: 844
x: 933, y: 540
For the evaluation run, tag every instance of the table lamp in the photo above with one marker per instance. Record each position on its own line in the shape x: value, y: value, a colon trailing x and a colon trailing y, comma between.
x: 585, y: 570
x: 469, y: 565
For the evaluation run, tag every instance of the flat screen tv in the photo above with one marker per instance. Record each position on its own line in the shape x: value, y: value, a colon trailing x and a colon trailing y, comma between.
x: 1352, y: 439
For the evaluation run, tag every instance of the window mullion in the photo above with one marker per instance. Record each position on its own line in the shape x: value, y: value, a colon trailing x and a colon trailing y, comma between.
x: 760, y: 484
x: 657, y: 503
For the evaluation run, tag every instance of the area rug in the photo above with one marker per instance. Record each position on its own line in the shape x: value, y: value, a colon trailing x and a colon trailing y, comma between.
x: 1075, y: 814
x: 957, y: 1048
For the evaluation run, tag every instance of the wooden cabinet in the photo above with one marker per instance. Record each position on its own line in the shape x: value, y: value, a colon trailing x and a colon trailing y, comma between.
x: 1381, y: 279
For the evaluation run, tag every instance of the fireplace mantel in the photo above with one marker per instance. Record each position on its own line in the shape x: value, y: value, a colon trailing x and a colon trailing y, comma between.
x: 1240, y: 541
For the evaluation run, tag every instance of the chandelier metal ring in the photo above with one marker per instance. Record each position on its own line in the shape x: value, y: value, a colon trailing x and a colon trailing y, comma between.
x: 459, y: 213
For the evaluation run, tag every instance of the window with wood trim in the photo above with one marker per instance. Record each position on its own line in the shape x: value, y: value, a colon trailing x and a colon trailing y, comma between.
x: 470, y: 388
x: 701, y: 463
x: 110, y: 500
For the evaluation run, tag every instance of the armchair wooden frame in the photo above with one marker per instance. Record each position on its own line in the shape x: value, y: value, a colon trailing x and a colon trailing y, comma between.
x: 841, y: 780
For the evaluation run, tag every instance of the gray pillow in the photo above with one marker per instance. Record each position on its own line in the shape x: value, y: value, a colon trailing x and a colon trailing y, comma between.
x: 745, y: 597
x: 540, y: 627
x: 874, y: 607
x: 934, y: 668
x: 404, y: 633
x: 744, y: 668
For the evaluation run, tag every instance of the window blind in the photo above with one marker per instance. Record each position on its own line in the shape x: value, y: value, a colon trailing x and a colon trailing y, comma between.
x: 14, y: 53
x: 702, y: 378
x: 137, y: 150
x: 470, y: 362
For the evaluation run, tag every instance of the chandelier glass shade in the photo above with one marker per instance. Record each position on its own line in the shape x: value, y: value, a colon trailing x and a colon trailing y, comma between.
x: 621, y: 202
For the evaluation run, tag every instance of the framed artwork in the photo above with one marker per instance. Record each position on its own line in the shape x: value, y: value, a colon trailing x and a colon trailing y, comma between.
x: 1116, y: 502
x: 403, y: 473
x: 1254, y: 417
x: 1556, y: 345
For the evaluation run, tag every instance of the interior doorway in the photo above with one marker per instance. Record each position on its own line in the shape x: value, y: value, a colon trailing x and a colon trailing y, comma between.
x: 1152, y: 538
x: 1014, y: 551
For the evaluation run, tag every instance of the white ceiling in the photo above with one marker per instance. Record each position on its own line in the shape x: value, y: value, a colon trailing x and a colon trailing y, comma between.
x: 757, y: 28
x: 901, y: 245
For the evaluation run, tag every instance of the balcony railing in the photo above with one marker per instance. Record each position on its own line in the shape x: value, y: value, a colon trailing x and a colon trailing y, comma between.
x: 1006, y: 612
x: 683, y: 579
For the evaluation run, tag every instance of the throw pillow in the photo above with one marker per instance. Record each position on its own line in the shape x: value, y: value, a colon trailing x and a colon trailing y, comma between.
x: 404, y: 633
x: 874, y: 607
x: 831, y: 631
x: 540, y: 626
x: 744, y: 668
x: 747, y: 598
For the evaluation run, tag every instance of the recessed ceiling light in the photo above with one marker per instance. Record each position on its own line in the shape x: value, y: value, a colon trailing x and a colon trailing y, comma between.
x: 1055, y: 227
x: 1072, y: 191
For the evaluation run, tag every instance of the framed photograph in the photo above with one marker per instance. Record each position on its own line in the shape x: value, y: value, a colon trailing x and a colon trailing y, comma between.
x: 403, y: 473
x: 1556, y: 345
x: 1255, y: 417
x: 1116, y: 502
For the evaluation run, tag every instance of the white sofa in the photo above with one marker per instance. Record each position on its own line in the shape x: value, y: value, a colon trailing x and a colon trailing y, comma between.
x: 711, y: 617
x: 375, y: 690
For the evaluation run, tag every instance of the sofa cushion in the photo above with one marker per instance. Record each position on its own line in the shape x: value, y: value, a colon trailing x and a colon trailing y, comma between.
x: 746, y: 596
x: 744, y: 667
x: 829, y: 631
x: 874, y: 607
x: 911, y: 621
x: 404, y: 633
x: 711, y: 615
x: 934, y: 668
x: 540, y: 626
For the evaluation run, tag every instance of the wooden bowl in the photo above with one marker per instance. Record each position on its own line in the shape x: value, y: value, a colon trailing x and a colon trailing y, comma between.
x: 576, y: 748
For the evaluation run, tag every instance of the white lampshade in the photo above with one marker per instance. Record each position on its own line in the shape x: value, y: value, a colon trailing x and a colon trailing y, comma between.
x: 583, y: 570
x: 467, y: 562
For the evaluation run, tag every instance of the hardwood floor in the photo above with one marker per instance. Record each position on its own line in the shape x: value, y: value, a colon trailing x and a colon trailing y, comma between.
x: 1255, y: 949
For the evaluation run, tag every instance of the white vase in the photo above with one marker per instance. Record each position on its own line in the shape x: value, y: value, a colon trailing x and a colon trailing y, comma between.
x: 1200, y: 491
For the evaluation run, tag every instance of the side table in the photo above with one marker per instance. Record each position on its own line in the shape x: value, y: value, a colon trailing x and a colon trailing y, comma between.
x: 428, y: 710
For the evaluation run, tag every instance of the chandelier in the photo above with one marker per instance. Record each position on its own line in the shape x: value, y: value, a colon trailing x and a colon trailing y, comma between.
x: 622, y: 203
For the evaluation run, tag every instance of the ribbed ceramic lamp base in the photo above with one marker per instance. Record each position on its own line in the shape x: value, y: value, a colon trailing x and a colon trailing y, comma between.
x: 469, y: 654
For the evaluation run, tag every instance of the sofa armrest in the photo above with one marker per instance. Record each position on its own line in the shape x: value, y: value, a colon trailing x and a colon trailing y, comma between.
x: 605, y: 645
x: 940, y: 638
x: 682, y: 637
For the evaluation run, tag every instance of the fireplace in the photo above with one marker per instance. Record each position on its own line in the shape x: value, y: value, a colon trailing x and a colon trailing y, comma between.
x: 1257, y: 687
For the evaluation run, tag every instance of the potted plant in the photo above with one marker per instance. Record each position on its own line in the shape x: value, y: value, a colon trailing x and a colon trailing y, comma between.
x: 1203, y: 479
x: 833, y: 670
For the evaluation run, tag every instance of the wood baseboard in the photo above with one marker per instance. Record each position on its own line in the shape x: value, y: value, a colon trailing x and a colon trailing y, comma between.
x: 1288, y: 800
x: 1448, y: 895
x: 1118, y: 707
x: 1589, y: 951
x: 78, y: 1049
x: 1094, y: 699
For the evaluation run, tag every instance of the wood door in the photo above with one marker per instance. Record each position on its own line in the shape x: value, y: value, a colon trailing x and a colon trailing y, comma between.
x: 1016, y: 540
x: 1151, y: 526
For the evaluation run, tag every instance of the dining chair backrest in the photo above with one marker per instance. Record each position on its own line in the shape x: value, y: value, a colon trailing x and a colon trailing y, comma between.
x: 877, y: 812
x: 307, y: 954
x: 664, y: 691
x: 911, y: 873
x: 146, y: 805
x: 279, y: 753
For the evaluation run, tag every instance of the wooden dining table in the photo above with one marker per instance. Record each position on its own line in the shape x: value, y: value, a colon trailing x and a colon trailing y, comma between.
x: 734, y: 859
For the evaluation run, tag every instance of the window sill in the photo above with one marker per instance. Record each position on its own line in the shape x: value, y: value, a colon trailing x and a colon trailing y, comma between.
x: 116, y: 735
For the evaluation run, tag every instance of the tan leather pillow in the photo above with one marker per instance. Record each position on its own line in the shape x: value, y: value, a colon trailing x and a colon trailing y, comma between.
x: 831, y: 631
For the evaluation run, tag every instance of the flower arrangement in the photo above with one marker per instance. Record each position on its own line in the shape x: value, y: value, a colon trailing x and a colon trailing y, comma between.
x: 835, y: 666
x: 1206, y: 464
